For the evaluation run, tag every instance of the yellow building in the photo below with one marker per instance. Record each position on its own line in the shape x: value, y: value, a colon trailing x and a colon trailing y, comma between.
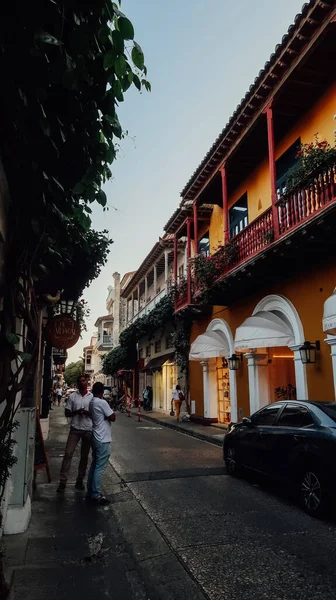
x: 261, y: 281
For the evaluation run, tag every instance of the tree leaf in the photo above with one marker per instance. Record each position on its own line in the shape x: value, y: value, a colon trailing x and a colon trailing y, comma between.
x: 46, y: 38
x: 101, y: 198
x: 12, y: 338
x: 118, y: 41
x: 109, y: 58
x: 138, y: 56
x: 103, y: 34
x: 120, y: 66
x: 146, y: 85
x: 126, y: 28
x: 79, y: 188
x: 117, y: 90
x: 137, y: 82
x: 27, y: 358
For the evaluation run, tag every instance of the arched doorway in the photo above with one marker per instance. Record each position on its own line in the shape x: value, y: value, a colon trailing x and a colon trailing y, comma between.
x: 273, y: 336
x: 219, y: 383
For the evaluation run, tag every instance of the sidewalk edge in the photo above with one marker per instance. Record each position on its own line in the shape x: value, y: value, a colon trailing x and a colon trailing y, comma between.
x: 190, y: 432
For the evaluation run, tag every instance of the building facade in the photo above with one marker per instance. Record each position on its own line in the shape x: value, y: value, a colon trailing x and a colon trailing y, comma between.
x: 261, y: 260
x: 150, y: 284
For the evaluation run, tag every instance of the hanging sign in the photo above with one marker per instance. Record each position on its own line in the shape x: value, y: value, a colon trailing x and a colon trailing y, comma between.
x: 62, y: 332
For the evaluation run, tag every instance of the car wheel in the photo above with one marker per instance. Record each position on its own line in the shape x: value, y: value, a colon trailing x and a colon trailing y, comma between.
x: 313, y: 492
x: 232, y: 467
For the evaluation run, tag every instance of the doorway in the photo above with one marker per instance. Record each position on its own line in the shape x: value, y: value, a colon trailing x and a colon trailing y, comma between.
x: 282, y: 374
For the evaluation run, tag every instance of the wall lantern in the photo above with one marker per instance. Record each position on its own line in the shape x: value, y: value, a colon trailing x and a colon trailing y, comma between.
x: 234, y: 362
x: 67, y: 306
x: 308, y: 352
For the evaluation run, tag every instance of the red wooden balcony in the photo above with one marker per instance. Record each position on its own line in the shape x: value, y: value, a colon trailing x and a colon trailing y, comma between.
x: 295, y: 209
x: 303, y: 204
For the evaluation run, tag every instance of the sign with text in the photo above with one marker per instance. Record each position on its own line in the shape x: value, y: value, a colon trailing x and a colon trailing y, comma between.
x: 62, y: 332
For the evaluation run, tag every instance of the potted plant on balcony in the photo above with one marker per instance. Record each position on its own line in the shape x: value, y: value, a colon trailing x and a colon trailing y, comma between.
x: 316, y: 161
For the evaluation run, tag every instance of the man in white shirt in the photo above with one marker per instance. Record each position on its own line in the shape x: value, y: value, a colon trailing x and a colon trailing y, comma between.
x: 102, y: 416
x: 77, y: 409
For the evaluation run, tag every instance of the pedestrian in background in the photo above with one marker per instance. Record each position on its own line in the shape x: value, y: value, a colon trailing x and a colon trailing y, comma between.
x: 178, y: 398
x: 59, y: 395
x: 102, y: 416
x: 77, y: 409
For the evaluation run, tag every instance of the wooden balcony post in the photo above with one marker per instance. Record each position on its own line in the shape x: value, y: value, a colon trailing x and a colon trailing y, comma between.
x: 175, y: 258
x: 195, y: 229
x: 188, y: 257
x: 226, y: 236
x: 272, y: 169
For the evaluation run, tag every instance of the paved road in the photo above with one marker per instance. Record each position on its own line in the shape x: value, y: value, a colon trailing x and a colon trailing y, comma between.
x: 196, y: 533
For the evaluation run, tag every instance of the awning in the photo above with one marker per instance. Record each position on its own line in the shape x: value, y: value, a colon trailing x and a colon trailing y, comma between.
x: 156, y: 363
x: 263, y: 330
x: 210, y: 344
x: 329, y: 315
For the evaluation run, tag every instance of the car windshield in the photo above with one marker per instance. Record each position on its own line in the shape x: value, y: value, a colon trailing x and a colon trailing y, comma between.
x: 329, y: 408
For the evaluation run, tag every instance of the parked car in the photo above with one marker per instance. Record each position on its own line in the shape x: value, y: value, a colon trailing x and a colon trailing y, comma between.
x: 291, y: 441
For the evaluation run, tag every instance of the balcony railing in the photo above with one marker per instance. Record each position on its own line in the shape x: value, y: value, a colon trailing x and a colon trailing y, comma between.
x: 107, y: 340
x: 254, y: 238
x: 298, y: 206
x: 149, y: 306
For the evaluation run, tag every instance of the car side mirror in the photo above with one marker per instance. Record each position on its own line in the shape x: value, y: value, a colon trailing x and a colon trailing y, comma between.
x: 247, y: 422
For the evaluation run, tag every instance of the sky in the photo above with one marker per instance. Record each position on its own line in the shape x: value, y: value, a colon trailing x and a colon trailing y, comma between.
x: 202, y: 56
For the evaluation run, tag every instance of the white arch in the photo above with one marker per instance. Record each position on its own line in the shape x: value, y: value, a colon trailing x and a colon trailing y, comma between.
x: 287, y: 308
x: 281, y: 304
x: 222, y: 326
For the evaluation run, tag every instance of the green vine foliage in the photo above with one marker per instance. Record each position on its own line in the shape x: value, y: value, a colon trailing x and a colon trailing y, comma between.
x: 125, y: 355
x: 67, y: 66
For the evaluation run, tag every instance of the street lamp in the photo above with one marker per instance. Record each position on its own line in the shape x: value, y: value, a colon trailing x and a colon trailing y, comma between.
x: 308, y: 352
x: 234, y: 362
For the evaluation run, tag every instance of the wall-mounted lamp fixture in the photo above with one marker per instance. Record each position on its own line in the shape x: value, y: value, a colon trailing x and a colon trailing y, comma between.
x: 234, y: 362
x: 308, y: 352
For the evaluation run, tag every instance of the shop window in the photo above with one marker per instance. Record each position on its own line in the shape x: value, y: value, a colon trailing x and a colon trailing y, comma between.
x: 223, y: 392
x: 148, y: 351
x: 284, y: 164
x: 238, y: 215
x: 204, y: 244
x: 158, y: 346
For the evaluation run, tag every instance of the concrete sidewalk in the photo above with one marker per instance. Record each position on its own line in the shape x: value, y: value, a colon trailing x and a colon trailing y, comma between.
x: 209, y: 433
x: 72, y: 550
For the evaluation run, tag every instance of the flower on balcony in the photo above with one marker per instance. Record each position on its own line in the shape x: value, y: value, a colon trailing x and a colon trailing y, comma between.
x: 314, y: 161
x: 206, y: 269
x: 179, y: 288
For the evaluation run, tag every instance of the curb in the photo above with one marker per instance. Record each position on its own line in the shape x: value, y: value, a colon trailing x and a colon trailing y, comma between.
x: 190, y: 432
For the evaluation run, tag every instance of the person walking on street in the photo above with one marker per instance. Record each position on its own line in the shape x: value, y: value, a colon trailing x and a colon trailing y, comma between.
x: 102, y: 416
x: 77, y: 409
x: 178, y: 398
x: 59, y: 395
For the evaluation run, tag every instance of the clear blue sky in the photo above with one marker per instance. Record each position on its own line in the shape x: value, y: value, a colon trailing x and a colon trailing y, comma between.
x: 202, y: 56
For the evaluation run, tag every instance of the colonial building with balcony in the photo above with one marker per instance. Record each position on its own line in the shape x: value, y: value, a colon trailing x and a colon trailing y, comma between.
x: 259, y: 214
x: 164, y: 267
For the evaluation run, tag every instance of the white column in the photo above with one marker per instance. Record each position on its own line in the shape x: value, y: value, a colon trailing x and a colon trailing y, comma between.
x: 213, y: 389
x: 185, y: 261
x: 146, y: 290
x: 258, y: 376
x: 300, y: 375
x: 233, y: 396
x: 206, y: 394
x: 132, y: 305
x: 155, y: 280
x: 166, y: 254
x: 332, y: 343
x: 138, y: 298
